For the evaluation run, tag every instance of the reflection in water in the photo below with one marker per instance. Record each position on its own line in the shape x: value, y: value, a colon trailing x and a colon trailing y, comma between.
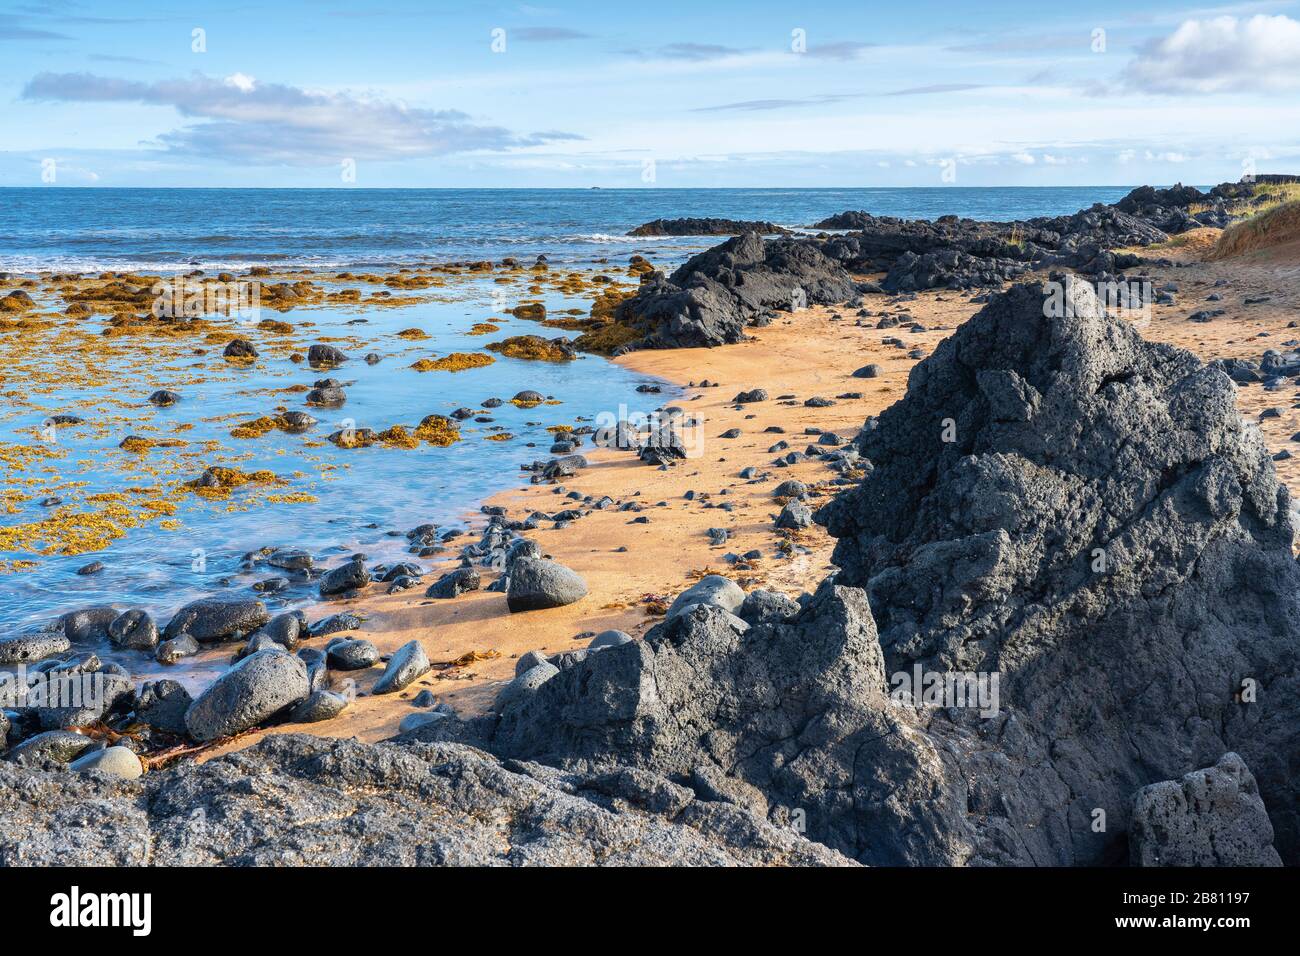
x: 330, y: 501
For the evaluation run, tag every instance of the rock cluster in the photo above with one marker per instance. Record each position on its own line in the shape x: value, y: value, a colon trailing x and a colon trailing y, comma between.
x: 1065, y: 631
x: 956, y: 253
x: 715, y: 296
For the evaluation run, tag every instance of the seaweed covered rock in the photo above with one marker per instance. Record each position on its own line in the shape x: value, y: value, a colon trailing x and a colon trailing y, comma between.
x: 714, y: 296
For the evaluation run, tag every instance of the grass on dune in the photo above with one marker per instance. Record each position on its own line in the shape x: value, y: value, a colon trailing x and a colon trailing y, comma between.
x: 1275, y: 226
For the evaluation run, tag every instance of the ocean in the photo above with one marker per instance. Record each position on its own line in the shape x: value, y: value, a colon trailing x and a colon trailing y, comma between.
x: 161, y: 229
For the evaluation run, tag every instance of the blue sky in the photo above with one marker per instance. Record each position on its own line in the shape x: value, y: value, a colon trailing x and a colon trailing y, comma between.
x: 666, y: 94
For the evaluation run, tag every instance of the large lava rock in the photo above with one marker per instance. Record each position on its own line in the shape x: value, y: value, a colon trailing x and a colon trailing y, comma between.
x: 788, y: 719
x: 714, y: 296
x: 1102, y: 531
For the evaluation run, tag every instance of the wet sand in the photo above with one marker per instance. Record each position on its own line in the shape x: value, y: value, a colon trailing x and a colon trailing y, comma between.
x: 811, y: 353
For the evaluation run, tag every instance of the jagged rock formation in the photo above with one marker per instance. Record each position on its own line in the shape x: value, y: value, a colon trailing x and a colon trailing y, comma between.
x: 1100, y: 532
x: 1103, y: 531
x: 1170, y: 209
x: 713, y: 297
x: 787, y: 718
x: 307, y: 801
x: 950, y: 269
x: 953, y: 253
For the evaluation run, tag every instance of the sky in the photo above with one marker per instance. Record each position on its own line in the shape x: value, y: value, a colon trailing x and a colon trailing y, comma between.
x: 326, y: 93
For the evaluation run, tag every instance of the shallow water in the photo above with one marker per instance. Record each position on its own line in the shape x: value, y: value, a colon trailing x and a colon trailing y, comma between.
x: 366, y: 497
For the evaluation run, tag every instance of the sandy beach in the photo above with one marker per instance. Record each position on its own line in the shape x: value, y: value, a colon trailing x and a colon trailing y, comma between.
x: 809, y: 353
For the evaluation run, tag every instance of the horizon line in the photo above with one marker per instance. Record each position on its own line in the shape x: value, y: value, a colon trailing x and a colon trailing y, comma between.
x: 1130, y: 185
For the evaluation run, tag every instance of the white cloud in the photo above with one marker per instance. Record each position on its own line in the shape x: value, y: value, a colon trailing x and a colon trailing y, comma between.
x: 1165, y: 157
x: 1025, y: 159
x: 1222, y: 55
x: 241, y: 82
x: 255, y: 122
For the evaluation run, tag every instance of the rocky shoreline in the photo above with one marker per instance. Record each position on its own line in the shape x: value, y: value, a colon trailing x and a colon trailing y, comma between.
x: 753, y: 727
x: 712, y: 299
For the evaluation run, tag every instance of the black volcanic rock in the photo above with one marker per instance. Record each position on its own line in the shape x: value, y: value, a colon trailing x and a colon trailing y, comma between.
x: 713, y: 297
x: 956, y: 253
x: 787, y: 719
x: 1105, y: 533
x: 949, y: 269
x: 1212, y: 817
x: 706, y: 227
x: 1170, y: 209
x: 309, y: 801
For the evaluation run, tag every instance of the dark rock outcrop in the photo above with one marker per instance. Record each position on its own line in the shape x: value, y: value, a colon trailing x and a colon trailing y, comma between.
x: 955, y: 253
x: 713, y: 297
x: 1171, y: 209
x: 1102, y: 531
x: 706, y: 227
x: 792, y: 720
